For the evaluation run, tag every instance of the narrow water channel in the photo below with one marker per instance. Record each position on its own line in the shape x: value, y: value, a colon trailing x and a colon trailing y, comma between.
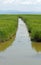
x: 21, y: 51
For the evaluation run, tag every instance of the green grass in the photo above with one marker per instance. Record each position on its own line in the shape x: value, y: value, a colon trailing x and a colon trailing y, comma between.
x: 9, y: 23
x: 33, y: 23
x: 6, y: 44
x: 8, y: 26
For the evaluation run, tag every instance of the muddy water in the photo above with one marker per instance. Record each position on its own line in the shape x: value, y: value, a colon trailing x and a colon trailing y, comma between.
x: 21, y: 51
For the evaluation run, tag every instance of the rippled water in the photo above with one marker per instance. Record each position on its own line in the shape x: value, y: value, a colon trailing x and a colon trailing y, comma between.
x: 21, y: 51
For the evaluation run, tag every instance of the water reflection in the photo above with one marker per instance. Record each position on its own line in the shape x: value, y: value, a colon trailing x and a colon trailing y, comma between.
x: 5, y: 45
x: 21, y: 51
x: 36, y: 46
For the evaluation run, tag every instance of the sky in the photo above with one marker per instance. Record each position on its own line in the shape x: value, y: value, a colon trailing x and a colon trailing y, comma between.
x: 21, y: 5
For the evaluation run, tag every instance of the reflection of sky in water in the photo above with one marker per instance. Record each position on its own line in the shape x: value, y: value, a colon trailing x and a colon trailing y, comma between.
x: 20, y: 52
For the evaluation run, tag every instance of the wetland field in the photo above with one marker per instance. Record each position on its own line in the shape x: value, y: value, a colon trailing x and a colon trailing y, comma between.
x: 20, y: 39
x: 8, y: 27
x: 9, y: 24
x: 33, y: 23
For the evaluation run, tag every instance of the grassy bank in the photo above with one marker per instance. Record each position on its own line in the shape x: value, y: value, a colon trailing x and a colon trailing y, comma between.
x: 6, y: 44
x: 8, y: 26
x: 9, y: 23
x: 33, y: 23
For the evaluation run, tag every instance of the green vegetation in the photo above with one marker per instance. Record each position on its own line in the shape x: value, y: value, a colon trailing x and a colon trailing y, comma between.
x: 33, y: 23
x: 6, y: 44
x: 9, y: 23
x: 8, y: 26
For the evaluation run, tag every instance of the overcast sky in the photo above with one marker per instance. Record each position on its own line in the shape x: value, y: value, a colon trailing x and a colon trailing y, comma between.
x: 21, y: 5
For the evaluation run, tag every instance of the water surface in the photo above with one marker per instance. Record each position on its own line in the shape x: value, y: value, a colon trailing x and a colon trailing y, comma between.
x: 21, y: 52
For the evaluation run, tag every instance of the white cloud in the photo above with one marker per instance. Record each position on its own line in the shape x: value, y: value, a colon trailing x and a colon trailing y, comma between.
x: 25, y: 5
x: 24, y: 2
x: 31, y: 2
x: 8, y: 1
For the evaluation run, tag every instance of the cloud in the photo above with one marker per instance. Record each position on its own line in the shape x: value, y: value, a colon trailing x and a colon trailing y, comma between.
x: 21, y: 5
x: 23, y: 2
x: 27, y: 3
x: 8, y: 1
x: 31, y: 2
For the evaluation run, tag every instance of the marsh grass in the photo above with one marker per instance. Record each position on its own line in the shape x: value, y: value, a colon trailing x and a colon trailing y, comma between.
x: 33, y: 23
x: 8, y: 26
x: 6, y: 44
